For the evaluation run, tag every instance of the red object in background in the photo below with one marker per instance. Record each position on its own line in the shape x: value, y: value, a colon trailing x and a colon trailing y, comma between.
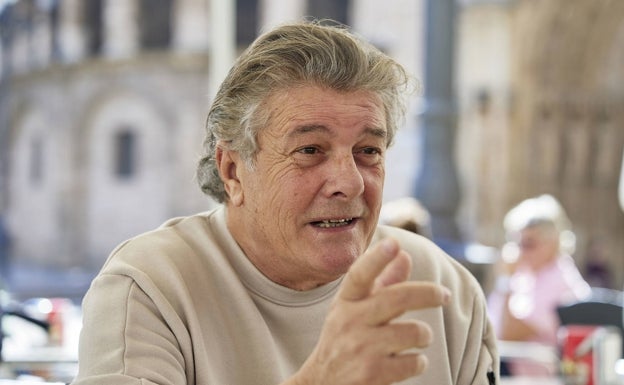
x: 577, y: 354
x: 55, y: 320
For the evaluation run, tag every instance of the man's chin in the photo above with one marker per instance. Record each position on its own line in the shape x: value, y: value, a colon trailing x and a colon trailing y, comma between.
x: 338, y: 263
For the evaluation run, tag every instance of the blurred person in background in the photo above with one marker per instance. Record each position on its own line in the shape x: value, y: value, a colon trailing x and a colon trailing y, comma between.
x: 407, y: 213
x: 291, y: 280
x: 536, y: 275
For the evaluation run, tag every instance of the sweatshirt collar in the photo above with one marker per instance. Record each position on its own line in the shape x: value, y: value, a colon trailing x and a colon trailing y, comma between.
x: 255, y: 281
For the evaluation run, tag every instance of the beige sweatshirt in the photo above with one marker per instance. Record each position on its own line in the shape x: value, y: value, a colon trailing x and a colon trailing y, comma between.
x: 183, y: 305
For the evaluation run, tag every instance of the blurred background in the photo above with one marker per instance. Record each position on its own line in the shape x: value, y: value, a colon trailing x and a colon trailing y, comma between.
x: 102, y: 107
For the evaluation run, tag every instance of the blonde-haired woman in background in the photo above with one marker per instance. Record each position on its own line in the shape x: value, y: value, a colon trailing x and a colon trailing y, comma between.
x: 537, y: 275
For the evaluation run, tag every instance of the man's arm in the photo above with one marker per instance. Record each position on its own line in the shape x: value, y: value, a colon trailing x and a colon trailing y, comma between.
x: 124, y: 341
x: 480, y: 364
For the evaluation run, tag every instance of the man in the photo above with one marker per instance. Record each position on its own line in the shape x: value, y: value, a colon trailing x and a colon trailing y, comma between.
x: 291, y: 281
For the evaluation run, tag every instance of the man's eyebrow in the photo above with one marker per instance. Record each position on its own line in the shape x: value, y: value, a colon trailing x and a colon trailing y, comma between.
x: 304, y: 129
x: 375, y: 131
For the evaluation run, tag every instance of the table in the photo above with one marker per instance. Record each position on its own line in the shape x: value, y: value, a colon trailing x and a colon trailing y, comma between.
x: 528, y: 351
x: 531, y: 381
x: 20, y: 382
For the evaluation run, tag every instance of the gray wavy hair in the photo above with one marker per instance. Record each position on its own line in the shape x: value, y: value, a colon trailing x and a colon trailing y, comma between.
x: 306, y: 53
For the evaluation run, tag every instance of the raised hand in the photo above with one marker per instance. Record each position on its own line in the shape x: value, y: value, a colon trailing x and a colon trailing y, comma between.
x: 361, y: 341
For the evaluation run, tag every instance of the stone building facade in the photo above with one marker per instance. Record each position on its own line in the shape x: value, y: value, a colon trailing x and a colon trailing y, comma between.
x: 101, y: 115
x: 102, y: 105
x: 102, y: 111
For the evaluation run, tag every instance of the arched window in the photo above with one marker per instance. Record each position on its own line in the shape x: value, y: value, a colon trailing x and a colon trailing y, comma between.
x: 125, y: 154
x: 337, y: 10
x: 54, y: 29
x: 155, y: 22
x: 246, y: 22
x: 94, y: 26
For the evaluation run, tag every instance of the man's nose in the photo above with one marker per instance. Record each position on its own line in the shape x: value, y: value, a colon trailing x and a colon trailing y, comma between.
x: 344, y: 178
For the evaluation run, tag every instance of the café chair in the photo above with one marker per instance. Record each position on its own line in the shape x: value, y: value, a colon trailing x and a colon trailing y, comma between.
x: 605, y: 307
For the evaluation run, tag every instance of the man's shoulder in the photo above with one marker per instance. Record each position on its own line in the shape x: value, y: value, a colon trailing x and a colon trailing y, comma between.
x: 429, y: 261
x: 183, y: 229
x: 422, y: 249
x: 176, y: 239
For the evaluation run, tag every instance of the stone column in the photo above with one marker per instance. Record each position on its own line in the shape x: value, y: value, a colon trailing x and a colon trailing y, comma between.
x: 190, y: 26
x: 437, y: 185
x: 121, y: 28
x: 274, y: 12
x: 41, y: 37
x: 222, y: 41
x: 72, y: 42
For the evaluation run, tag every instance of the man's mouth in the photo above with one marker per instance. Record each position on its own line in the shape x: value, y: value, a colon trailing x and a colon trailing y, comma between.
x: 331, y: 223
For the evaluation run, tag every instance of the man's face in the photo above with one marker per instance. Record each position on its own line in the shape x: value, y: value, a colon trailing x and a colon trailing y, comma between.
x: 310, y: 206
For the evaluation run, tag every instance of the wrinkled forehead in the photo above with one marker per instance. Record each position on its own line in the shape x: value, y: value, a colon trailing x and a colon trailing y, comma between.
x: 296, y: 108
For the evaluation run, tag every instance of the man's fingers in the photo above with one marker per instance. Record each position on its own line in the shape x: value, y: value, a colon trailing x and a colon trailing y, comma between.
x: 409, y: 364
x: 392, y: 301
x: 360, y: 278
x: 403, y: 366
x: 398, y: 270
x: 396, y: 337
x: 391, y: 368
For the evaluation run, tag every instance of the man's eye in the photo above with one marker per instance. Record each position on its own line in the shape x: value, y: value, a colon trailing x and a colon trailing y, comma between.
x: 369, y: 156
x: 371, y: 151
x: 308, y: 150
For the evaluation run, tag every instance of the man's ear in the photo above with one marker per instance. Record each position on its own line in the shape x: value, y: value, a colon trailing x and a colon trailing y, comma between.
x: 228, y: 163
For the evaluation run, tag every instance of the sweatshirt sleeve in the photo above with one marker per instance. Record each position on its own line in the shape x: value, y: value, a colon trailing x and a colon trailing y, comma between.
x: 480, y: 365
x: 125, y: 340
